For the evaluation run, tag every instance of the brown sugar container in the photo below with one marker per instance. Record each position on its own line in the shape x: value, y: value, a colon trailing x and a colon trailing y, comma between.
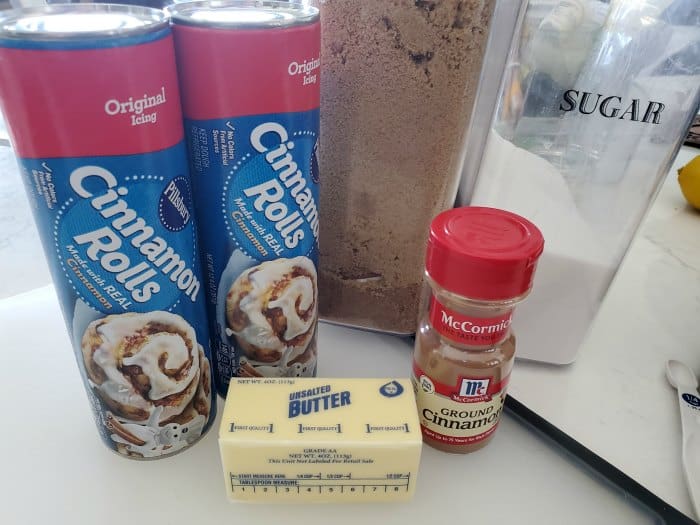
x: 398, y: 84
x: 479, y: 265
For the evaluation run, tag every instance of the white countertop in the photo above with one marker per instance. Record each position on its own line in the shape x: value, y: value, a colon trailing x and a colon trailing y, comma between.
x: 614, y: 400
x: 56, y: 470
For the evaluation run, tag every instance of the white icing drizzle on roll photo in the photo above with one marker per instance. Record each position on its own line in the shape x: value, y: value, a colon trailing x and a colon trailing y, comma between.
x: 271, y: 310
x: 140, y: 362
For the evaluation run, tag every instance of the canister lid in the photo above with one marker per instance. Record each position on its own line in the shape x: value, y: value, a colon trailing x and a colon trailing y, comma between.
x: 483, y: 253
x: 242, y: 14
x: 63, y: 22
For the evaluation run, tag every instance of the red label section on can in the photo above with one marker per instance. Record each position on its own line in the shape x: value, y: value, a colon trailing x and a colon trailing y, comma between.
x: 279, y: 67
x: 106, y: 113
x: 468, y: 330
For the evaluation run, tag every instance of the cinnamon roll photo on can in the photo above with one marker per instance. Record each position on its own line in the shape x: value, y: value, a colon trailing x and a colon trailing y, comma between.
x: 90, y: 93
x: 249, y: 77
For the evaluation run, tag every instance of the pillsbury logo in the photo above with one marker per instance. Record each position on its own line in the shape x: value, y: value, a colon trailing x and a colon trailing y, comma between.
x: 175, y: 204
x: 314, y: 165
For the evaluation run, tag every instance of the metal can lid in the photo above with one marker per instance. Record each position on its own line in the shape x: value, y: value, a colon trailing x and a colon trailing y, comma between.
x: 242, y: 14
x: 79, y: 21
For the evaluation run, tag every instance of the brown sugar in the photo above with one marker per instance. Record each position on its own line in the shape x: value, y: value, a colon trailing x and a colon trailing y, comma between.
x: 397, y: 87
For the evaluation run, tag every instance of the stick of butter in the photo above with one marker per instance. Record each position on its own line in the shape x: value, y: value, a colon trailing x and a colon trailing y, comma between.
x: 320, y: 440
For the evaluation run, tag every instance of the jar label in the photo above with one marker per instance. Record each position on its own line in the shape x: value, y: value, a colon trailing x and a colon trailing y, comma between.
x: 464, y: 413
x: 465, y: 329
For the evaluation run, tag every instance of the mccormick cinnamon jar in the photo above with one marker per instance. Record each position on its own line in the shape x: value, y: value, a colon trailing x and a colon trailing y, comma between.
x: 479, y: 265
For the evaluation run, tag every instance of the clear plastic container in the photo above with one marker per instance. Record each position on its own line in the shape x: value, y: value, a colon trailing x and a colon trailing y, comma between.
x: 397, y: 88
x: 595, y: 101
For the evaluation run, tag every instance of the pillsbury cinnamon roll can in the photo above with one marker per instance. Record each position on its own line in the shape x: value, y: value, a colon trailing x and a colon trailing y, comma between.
x: 91, y: 97
x: 249, y: 77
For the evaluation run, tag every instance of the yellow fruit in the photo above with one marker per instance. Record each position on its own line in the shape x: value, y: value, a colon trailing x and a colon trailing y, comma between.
x: 689, y: 181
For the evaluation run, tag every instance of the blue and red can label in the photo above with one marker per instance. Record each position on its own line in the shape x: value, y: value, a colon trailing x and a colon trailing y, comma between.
x: 98, y: 133
x: 251, y: 105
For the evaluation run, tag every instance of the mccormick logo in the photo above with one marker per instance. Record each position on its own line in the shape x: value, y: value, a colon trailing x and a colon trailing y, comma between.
x: 466, y: 329
x: 469, y: 327
x: 474, y: 387
x: 475, y: 390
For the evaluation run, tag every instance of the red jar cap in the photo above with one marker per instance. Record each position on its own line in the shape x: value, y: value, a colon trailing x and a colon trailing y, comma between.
x: 483, y: 253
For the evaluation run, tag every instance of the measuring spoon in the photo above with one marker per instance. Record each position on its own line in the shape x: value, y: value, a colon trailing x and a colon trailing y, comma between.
x: 683, y: 379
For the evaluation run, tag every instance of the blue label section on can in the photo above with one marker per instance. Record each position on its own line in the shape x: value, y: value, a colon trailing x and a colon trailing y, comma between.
x: 256, y: 191
x: 126, y: 268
